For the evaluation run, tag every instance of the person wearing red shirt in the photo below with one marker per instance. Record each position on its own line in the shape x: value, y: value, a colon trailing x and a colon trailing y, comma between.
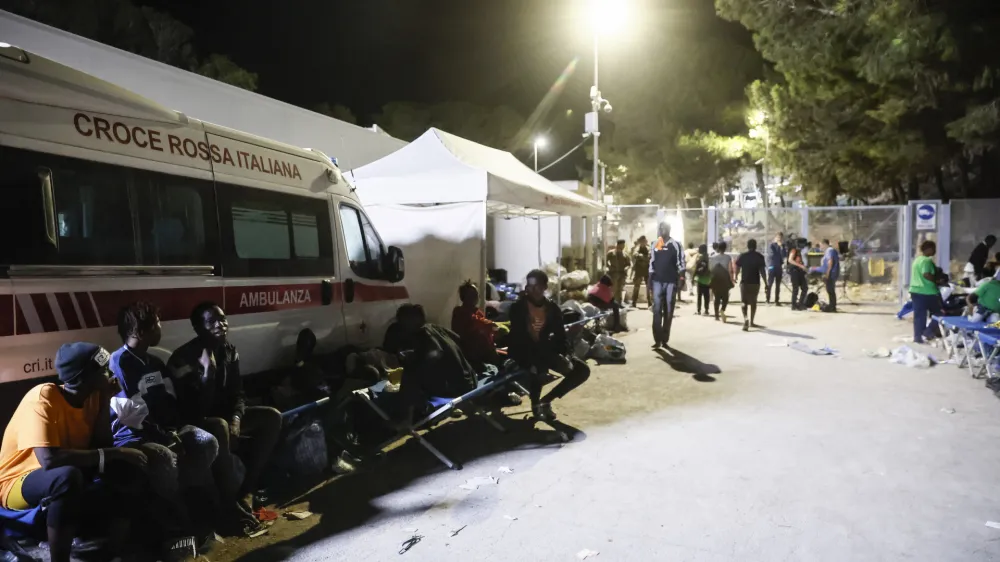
x: 476, y: 333
x: 601, y: 295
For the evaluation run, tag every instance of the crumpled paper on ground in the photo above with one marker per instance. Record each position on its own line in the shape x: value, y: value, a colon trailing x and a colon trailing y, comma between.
x: 475, y: 483
x: 880, y: 353
x: 799, y: 346
x: 131, y: 412
x: 586, y: 553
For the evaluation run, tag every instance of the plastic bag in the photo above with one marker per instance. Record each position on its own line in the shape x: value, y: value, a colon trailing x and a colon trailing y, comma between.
x: 581, y: 349
x: 590, y: 311
x: 576, y: 280
x: 305, y: 453
x: 131, y: 412
x: 554, y: 270
x: 904, y: 355
x: 607, y: 348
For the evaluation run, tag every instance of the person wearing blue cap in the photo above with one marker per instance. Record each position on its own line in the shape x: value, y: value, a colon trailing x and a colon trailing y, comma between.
x: 210, y: 396
x: 58, y: 441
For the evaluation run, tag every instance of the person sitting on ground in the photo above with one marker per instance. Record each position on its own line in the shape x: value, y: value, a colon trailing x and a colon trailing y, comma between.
x: 433, y: 364
x: 601, y: 295
x: 210, y: 396
x: 984, y: 304
x: 476, y: 334
x: 538, y: 343
x: 396, y: 338
x: 703, y: 279
x: 57, y: 444
x: 180, y: 456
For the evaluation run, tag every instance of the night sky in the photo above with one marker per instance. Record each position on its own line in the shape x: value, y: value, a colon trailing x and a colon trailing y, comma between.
x: 365, y: 53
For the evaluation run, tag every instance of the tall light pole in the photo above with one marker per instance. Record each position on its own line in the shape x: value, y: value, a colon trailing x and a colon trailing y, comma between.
x: 605, y: 16
x: 540, y: 142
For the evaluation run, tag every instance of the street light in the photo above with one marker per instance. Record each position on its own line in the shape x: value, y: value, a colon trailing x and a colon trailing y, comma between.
x: 540, y: 142
x: 606, y: 16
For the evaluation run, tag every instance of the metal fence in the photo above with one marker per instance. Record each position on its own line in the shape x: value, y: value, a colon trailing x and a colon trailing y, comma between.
x: 971, y: 221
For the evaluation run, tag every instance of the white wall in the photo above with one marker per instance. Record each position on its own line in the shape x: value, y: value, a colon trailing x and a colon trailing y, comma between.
x: 515, y: 243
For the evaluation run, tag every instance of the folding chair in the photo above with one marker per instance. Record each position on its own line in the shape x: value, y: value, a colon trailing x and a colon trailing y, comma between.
x: 965, y: 329
x: 444, y: 407
x: 988, y: 343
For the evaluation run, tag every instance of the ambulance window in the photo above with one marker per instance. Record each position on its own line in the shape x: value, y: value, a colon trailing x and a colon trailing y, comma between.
x: 177, y: 220
x: 363, y: 246
x: 270, y: 234
x: 92, y: 213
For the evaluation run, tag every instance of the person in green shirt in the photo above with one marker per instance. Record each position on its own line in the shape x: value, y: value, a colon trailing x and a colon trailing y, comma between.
x: 924, y: 293
x: 984, y: 304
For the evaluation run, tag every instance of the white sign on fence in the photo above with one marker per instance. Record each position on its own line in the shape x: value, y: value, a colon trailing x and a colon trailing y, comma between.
x: 926, y: 216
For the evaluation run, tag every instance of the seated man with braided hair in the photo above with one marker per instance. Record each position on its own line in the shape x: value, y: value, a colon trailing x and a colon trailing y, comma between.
x: 180, y: 456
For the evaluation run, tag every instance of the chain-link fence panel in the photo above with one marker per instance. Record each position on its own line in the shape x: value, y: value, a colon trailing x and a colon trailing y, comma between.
x: 694, y: 223
x: 739, y: 226
x: 868, y: 239
x: 971, y: 221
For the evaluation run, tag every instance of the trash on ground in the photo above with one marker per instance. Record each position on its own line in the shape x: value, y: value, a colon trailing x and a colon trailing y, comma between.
x: 880, y: 353
x: 218, y: 538
x: 993, y: 524
x: 258, y: 533
x: 905, y: 355
x: 505, y: 470
x: 458, y: 530
x: 799, y: 346
x: 903, y: 339
x: 948, y: 410
x: 411, y: 530
x: 586, y: 553
x: 298, y: 515
x: 410, y: 543
x: 510, y: 518
x: 475, y: 483
x: 784, y: 343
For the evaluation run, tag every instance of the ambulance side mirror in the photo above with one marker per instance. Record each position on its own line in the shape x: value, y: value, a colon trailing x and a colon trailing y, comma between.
x: 395, y: 265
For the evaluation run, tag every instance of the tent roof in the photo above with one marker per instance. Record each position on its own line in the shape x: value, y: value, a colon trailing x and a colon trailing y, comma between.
x: 440, y: 168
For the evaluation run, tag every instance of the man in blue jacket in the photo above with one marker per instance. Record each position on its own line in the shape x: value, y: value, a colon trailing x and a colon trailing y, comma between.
x: 666, y: 269
x: 775, y: 267
x: 830, y: 268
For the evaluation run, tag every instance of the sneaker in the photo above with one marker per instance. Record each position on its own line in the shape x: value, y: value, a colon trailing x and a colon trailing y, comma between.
x: 175, y: 550
x: 543, y: 412
x: 746, y: 325
x: 657, y: 345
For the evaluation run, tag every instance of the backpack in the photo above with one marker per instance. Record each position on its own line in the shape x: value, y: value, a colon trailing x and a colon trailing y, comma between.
x: 701, y: 267
x: 811, y: 300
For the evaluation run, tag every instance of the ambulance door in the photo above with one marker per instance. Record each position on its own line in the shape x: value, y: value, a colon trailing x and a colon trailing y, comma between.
x: 370, y: 298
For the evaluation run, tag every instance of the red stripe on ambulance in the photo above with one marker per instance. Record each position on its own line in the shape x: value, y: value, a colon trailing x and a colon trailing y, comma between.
x: 6, y: 315
x: 37, y: 313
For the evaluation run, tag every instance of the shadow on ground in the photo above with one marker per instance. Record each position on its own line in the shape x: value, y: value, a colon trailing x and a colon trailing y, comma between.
x: 684, y: 363
x: 349, y: 502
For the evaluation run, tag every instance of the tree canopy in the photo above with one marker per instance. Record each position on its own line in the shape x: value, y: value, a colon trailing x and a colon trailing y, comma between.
x: 878, y: 99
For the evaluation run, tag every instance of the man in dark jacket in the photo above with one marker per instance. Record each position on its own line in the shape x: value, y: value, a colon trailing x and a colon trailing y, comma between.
x: 666, y: 269
x: 538, y: 342
x: 981, y: 254
x: 775, y: 267
x: 210, y: 396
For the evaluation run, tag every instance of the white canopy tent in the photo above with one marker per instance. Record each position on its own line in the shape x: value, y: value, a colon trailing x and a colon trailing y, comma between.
x: 433, y: 198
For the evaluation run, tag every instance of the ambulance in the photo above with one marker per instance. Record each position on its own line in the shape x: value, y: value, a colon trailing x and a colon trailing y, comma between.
x: 108, y: 198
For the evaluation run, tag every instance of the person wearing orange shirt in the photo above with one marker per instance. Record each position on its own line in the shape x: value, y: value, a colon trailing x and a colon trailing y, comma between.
x: 57, y: 442
x: 476, y: 333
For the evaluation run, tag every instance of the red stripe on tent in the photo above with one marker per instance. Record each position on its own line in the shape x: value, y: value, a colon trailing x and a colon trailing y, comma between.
x: 6, y: 315
x: 68, y: 312
x: 44, y: 312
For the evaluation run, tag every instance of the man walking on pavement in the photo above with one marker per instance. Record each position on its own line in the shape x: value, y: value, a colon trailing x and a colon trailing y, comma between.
x: 666, y: 269
x: 618, y: 264
x: 640, y: 270
x: 775, y: 265
x: 752, y: 271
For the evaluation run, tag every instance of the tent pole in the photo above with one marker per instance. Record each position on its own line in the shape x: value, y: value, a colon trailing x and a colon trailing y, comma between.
x: 482, y: 259
x: 559, y: 261
x: 540, y: 264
